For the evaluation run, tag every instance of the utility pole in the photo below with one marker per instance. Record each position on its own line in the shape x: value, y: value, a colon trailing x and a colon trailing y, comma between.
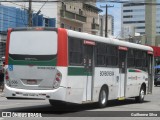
x: 106, y: 20
x: 150, y: 23
x: 30, y: 13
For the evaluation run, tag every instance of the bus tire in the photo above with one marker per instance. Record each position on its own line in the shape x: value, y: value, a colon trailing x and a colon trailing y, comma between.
x: 140, y: 98
x: 103, y: 97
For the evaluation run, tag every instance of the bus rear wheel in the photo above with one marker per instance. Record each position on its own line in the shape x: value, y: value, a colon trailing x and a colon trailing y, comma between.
x: 140, y: 98
x: 103, y: 97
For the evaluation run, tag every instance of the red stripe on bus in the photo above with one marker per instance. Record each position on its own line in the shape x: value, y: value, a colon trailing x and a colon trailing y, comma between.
x: 123, y: 48
x: 150, y: 52
x: 62, y: 59
x: 7, y: 45
x: 87, y: 42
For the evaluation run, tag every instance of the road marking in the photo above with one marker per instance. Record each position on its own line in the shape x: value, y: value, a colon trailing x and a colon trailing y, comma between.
x: 1, y: 118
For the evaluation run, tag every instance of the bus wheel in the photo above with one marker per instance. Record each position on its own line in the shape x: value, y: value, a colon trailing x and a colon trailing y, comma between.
x: 103, y: 97
x: 140, y: 98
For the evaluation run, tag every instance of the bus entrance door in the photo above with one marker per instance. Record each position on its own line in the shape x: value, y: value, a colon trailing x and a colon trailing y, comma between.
x: 150, y: 73
x: 122, y: 73
x: 88, y: 64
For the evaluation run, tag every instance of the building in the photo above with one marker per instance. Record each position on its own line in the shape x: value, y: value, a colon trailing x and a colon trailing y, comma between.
x: 144, y: 18
x: 102, y: 23
x: 77, y: 15
x: 40, y: 20
x: 128, y: 31
x: 92, y: 13
x: 3, y: 36
x: 134, y: 15
x: 11, y: 17
x: 71, y: 16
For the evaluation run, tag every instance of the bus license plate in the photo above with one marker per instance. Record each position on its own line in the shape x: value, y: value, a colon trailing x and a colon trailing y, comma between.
x: 32, y: 82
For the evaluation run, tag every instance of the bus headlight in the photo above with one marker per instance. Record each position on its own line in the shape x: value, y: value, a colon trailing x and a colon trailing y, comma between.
x: 57, y: 80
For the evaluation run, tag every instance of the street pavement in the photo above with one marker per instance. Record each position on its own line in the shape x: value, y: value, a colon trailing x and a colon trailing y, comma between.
x: 88, y: 111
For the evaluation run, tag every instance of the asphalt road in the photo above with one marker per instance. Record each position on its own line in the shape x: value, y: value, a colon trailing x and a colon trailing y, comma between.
x: 114, y: 110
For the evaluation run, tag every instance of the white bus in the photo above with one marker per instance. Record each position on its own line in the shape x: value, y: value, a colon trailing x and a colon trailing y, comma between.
x: 67, y: 66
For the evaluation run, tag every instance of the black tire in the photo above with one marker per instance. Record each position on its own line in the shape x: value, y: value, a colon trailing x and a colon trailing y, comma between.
x: 140, y: 98
x: 103, y: 97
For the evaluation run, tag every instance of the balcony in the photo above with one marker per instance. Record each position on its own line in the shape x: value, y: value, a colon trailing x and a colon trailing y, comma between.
x: 72, y: 16
x: 95, y: 26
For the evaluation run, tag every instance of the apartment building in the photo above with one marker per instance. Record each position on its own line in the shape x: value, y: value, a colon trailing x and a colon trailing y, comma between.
x: 102, y: 23
x: 79, y: 16
x: 134, y: 15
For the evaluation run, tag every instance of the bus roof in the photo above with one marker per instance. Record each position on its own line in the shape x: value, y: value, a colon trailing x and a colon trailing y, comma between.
x: 96, y: 38
x: 87, y: 36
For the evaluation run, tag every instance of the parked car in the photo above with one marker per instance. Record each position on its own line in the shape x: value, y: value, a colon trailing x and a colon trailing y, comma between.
x: 157, y: 79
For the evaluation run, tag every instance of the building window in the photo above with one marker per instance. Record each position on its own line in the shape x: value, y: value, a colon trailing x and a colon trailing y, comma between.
x: 79, y: 29
x: 80, y: 12
x: 134, y: 4
x: 127, y: 10
x: 46, y: 22
x: 141, y: 27
x: 130, y: 22
x: 93, y: 20
x: 128, y: 16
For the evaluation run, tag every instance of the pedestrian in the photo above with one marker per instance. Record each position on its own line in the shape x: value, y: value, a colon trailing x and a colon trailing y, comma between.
x: 1, y: 80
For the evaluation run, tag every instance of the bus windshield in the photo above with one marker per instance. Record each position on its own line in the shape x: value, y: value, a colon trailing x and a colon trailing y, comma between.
x: 35, y: 45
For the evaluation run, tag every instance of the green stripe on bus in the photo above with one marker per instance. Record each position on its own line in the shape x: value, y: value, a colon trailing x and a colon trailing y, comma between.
x: 77, y: 71
x: 131, y: 70
x: 27, y: 62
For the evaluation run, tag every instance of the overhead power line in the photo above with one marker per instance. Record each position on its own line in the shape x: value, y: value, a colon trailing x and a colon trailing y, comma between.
x: 100, y: 1
x: 28, y: 1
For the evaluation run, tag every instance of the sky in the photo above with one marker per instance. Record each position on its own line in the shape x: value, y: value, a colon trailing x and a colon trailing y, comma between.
x: 116, y: 12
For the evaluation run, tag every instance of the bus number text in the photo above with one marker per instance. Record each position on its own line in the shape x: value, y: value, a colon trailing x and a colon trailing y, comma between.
x: 106, y: 73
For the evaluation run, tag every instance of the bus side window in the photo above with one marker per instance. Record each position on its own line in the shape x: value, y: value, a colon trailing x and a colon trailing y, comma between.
x: 131, y: 59
x: 75, y: 51
x: 100, y: 54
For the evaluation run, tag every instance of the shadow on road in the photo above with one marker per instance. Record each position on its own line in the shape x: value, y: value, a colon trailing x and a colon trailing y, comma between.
x: 70, y: 108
